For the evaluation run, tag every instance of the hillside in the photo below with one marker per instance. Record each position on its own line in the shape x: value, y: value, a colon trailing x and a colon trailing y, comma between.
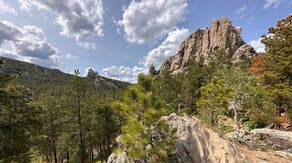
x: 39, y: 79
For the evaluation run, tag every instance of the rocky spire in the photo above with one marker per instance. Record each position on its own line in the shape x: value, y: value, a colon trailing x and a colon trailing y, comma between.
x: 152, y: 70
x: 220, y: 35
x: 91, y: 74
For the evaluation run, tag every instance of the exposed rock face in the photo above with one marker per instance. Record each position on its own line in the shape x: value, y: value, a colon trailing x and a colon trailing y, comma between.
x: 202, y: 42
x: 119, y: 158
x: 273, y: 139
x: 92, y: 74
x: 98, y: 80
x: 198, y: 144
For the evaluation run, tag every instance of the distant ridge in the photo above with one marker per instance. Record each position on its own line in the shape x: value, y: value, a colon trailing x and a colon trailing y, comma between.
x: 39, y: 78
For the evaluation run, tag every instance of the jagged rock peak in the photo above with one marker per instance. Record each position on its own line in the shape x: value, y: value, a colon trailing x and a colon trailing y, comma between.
x: 91, y: 74
x: 220, y: 35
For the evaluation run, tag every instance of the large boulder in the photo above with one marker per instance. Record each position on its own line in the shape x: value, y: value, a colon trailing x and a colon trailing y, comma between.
x: 203, y: 42
x: 199, y: 144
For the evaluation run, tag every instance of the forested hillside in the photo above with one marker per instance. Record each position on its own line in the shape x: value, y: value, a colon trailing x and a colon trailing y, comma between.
x: 45, y: 114
x: 49, y: 116
x: 40, y: 79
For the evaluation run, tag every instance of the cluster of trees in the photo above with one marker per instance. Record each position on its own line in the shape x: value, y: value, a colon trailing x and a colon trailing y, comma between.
x: 144, y: 135
x: 18, y: 121
x: 257, y: 91
x: 73, y: 123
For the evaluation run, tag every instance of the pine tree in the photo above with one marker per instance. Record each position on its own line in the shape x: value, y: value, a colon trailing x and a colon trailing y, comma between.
x: 142, y: 112
x: 51, y: 128
x: 18, y: 121
x: 214, y: 100
x: 277, y: 75
x: 77, y: 86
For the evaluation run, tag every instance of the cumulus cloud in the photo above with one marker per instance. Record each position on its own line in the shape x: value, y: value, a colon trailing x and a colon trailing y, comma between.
x: 123, y: 73
x: 257, y: 45
x: 4, y: 7
x: 272, y: 3
x: 156, y: 57
x: 82, y: 20
x: 146, y: 20
x: 167, y: 48
x: 28, y: 44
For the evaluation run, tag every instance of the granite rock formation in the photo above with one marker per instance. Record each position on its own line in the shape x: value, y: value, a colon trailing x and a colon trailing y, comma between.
x: 199, y: 144
x: 203, y: 42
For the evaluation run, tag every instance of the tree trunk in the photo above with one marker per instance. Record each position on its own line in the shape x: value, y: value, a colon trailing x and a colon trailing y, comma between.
x: 55, y: 151
x: 212, y: 122
x: 82, y: 158
x: 67, y: 156
x: 236, y: 122
x: 53, y: 137
x: 92, y: 154
x: 107, y: 119
x: 100, y: 153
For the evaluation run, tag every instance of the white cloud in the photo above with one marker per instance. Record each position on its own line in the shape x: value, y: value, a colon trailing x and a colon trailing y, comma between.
x: 167, y: 48
x: 241, y: 9
x: 257, y: 45
x: 4, y: 7
x: 81, y: 19
x: 28, y: 44
x: 156, y: 56
x: 87, y: 45
x: 69, y: 56
x: 273, y: 3
x: 124, y: 73
x: 146, y: 20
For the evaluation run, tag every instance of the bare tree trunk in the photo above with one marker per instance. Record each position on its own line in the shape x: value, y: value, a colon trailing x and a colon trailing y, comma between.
x: 53, y: 136
x: 212, y: 122
x: 67, y: 156
x: 82, y: 158
x: 234, y: 106
x: 100, y: 153
x: 92, y: 155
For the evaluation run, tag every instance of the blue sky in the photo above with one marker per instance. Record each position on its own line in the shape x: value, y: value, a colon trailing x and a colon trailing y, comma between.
x: 121, y: 38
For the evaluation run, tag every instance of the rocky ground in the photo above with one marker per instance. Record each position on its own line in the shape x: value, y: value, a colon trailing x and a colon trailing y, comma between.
x: 199, y: 144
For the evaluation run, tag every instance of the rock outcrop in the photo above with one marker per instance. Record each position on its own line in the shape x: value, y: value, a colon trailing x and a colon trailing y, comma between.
x: 199, y: 144
x: 91, y: 74
x: 202, y: 42
x: 99, y: 81
x: 276, y: 140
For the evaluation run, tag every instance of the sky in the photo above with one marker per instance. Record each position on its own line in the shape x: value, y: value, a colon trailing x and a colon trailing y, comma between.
x: 120, y: 38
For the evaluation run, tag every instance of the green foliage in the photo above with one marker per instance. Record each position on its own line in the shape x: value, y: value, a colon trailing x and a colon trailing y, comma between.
x: 226, y: 129
x: 54, y: 102
x: 214, y: 100
x: 142, y: 112
x: 277, y: 75
x: 167, y: 87
x: 247, y: 96
x: 18, y: 122
x: 252, y: 124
